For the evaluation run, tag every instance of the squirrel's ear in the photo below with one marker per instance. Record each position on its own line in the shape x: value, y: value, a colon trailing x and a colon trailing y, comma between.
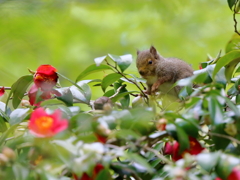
x: 153, y: 51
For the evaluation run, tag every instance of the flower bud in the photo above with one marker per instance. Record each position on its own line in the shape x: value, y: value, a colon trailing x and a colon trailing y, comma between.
x: 100, y: 102
x: 161, y: 124
x: 9, y: 153
x: 25, y: 103
x: 3, y: 159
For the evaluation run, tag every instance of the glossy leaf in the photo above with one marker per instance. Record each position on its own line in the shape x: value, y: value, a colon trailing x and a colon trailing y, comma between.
x: 215, y: 110
x: 124, y: 100
x: 99, y: 60
x: 190, y: 126
x: 230, y: 60
x: 123, y: 62
x: 66, y: 97
x: 220, y: 142
x: 18, y: 115
x: 104, y: 174
x: 18, y: 89
x: 208, y: 161
x: 3, y: 126
x: 225, y: 165
x: 140, y: 160
x: 231, y: 3
x: 183, y: 139
x: 110, y: 79
x: 92, y: 69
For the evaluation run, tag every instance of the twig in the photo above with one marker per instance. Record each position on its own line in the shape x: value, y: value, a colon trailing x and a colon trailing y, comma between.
x: 234, y: 18
x: 6, y: 88
x: 119, y: 72
x: 224, y: 136
x: 160, y: 156
x: 118, y: 91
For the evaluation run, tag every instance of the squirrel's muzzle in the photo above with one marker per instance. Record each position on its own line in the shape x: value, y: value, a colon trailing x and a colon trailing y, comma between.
x: 141, y: 72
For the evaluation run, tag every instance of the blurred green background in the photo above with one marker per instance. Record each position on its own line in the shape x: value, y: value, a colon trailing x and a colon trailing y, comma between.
x: 69, y: 34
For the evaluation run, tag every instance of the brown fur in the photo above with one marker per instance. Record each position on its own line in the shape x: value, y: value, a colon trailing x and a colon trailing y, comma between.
x: 160, y: 71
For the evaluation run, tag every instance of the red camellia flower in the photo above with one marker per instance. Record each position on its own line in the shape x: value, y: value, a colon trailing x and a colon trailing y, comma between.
x: 42, y: 124
x: 85, y: 176
x: 173, y: 149
x: 2, y: 91
x: 46, y: 77
x: 44, y: 95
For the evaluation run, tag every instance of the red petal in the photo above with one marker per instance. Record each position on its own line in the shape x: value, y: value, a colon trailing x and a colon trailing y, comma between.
x: 235, y: 174
x: 46, y: 69
x: 101, y: 139
x: 195, y: 146
x: 168, y: 148
x: 2, y: 91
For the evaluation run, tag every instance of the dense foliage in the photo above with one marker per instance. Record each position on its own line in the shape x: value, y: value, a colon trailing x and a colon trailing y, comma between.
x: 124, y: 134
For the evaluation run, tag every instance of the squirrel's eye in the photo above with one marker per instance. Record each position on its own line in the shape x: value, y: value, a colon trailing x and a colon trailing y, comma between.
x: 150, y: 62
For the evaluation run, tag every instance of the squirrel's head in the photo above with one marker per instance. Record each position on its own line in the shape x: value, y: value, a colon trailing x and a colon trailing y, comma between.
x: 147, y: 61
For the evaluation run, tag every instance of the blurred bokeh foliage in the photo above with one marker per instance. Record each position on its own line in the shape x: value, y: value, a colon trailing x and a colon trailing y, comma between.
x: 69, y: 34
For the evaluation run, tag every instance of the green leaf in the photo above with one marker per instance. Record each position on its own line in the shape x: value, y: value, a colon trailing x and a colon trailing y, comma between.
x: 18, y: 115
x: 99, y: 60
x: 109, y: 93
x: 18, y: 90
x: 183, y: 139
x: 120, y: 95
x: 91, y: 69
x: 86, y: 89
x: 109, y: 79
x: 140, y: 160
x: 220, y: 76
x: 208, y: 161
x: 66, y: 97
x: 233, y: 44
x: 20, y: 171
x: 123, y: 62
x: 190, y: 126
x: 51, y: 102
x: 104, y: 174
x: 220, y: 142
x: 127, y: 134
x: 231, y: 3
x: 3, y: 126
x: 215, y: 110
x: 230, y: 60
x: 6, y: 134
x: 124, y: 100
x: 225, y: 165
x: 82, y: 95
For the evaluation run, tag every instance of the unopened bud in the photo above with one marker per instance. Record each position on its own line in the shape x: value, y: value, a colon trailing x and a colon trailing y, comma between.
x: 231, y: 129
x: 100, y: 102
x: 9, y: 153
x: 107, y: 107
x: 179, y: 174
x: 25, y: 103
x: 161, y: 124
x: 3, y: 159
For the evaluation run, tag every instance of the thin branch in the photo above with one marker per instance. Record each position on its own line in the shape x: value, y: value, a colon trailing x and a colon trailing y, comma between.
x: 119, y: 72
x: 224, y: 136
x: 6, y: 88
x: 118, y: 91
x: 159, y: 155
x: 234, y: 18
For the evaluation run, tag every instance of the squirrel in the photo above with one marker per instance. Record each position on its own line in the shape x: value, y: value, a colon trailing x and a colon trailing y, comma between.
x: 160, y: 72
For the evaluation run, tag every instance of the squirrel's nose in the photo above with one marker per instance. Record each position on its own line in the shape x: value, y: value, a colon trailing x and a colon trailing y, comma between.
x: 141, y: 72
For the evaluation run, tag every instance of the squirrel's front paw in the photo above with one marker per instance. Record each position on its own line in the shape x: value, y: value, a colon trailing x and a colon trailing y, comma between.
x: 154, y: 88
